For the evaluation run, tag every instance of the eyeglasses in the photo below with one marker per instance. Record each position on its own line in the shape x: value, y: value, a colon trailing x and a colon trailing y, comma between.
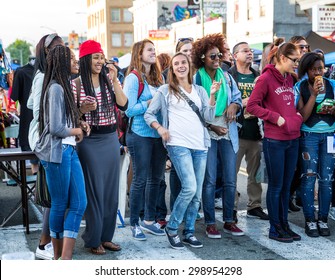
x: 213, y: 56
x: 304, y: 47
x: 185, y: 39
x: 295, y: 60
x: 317, y: 70
x: 49, y: 39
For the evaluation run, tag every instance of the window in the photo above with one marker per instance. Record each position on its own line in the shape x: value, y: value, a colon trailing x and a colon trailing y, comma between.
x: 250, y: 10
x: 115, y: 15
x: 262, y: 8
x: 116, y: 40
x: 127, y: 16
x: 128, y: 39
x: 236, y: 12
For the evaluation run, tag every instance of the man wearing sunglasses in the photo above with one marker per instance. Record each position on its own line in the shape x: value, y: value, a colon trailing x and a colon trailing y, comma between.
x: 249, y: 134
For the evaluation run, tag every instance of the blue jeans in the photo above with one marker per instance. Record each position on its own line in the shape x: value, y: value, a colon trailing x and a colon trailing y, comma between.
x: 148, y: 157
x: 190, y: 166
x: 280, y: 159
x: 67, y: 190
x: 224, y: 149
x: 316, y: 162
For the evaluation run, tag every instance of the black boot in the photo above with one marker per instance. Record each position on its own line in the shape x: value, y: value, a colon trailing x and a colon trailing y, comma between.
x: 292, y: 206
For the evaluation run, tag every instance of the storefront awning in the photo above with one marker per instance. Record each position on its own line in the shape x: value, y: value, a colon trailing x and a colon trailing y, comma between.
x: 307, y: 4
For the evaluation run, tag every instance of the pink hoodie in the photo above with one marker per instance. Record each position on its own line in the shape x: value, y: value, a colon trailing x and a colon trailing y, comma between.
x: 272, y: 97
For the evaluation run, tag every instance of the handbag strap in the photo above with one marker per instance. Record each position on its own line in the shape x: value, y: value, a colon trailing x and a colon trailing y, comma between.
x: 193, y: 106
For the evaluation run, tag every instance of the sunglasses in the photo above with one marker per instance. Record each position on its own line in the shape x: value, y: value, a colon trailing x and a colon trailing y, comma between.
x: 304, y: 47
x: 214, y: 55
x: 185, y: 39
x: 49, y: 39
x: 295, y: 61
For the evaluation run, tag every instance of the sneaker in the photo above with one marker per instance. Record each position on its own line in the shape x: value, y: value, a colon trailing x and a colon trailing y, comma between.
x: 332, y: 213
x: 232, y: 229
x: 212, y: 232
x: 174, y: 241
x: 138, y: 233
x: 292, y: 207
x: 279, y: 234
x: 218, y: 203
x: 295, y: 236
x: 47, y: 253
x: 162, y: 223
x: 257, y: 213
x: 323, y: 228
x: 193, y: 242
x: 311, y: 229
x: 154, y: 228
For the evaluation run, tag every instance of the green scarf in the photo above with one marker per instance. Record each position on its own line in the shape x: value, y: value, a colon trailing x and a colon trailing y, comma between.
x: 221, y: 96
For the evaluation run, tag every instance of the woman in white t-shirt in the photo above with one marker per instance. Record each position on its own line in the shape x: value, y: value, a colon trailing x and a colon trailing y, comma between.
x: 186, y: 139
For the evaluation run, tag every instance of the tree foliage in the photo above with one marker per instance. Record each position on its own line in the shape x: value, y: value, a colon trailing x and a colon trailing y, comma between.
x: 20, y: 49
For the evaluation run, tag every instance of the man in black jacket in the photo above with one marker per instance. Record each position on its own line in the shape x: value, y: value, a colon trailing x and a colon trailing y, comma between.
x: 249, y: 134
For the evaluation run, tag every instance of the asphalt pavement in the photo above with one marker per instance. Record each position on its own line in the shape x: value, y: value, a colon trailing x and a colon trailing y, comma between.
x: 255, y: 245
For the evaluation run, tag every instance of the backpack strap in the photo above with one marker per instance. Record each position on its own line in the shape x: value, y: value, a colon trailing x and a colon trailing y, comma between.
x: 141, y: 84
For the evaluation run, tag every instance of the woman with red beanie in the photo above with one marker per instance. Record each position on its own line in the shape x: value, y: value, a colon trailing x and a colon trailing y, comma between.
x: 97, y: 93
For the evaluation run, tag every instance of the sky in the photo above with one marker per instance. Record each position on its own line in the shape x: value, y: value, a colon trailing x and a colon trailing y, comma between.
x: 30, y: 20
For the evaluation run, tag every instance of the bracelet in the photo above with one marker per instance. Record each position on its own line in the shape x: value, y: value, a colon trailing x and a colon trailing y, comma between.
x: 158, y: 127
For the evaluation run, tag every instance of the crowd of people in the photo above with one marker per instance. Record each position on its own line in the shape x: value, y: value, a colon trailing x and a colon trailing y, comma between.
x: 203, y: 109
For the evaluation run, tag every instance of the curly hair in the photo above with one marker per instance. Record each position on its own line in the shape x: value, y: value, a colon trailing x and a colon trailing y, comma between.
x: 154, y: 77
x: 201, y: 46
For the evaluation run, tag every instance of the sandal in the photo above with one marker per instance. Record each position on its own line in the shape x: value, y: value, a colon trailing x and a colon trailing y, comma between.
x: 111, y: 246
x: 98, y: 251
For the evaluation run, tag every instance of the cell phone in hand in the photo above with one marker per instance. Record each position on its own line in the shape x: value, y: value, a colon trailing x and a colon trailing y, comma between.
x: 90, y: 99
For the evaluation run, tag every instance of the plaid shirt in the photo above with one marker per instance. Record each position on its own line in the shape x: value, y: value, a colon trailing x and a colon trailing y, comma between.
x: 103, y: 121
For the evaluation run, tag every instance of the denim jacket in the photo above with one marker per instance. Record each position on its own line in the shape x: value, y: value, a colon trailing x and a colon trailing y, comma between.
x: 160, y: 104
x: 234, y: 96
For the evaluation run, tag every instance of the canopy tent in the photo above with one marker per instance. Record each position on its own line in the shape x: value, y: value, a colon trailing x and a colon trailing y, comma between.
x: 330, y: 58
x: 318, y: 42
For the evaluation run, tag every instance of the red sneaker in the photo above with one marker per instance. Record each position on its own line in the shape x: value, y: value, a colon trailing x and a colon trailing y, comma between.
x: 212, y: 232
x: 232, y: 229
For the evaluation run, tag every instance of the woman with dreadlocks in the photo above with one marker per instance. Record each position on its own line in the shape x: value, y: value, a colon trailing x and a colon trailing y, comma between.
x: 97, y: 94
x: 59, y: 124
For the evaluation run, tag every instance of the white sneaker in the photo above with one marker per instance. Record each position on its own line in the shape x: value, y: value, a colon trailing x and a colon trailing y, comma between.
x: 331, y: 214
x: 47, y: 253
x: 218, y: 203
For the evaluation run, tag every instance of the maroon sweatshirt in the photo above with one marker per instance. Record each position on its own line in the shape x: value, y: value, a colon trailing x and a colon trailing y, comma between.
x: 272, y: 97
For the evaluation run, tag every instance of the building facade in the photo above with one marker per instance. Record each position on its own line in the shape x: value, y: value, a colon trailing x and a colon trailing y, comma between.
x: 111, y: 23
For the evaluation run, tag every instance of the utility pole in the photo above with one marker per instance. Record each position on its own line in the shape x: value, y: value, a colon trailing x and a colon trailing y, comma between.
x: 202, y: 18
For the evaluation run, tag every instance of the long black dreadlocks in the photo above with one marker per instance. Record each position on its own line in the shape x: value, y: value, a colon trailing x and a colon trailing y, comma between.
x: 85, y: 65
x: 58, y: 70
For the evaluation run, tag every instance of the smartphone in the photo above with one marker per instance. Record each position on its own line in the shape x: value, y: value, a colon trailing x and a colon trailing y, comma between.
x: 90, y: 99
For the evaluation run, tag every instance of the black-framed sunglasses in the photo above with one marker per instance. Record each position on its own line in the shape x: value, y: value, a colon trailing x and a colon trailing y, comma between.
x: 185, y: 39
x: 304, y: 47
x: 49, y: 39
x: 295, y: 60
x: 213, y: 56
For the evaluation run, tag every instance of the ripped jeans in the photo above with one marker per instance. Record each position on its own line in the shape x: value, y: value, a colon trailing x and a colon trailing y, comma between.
x: 316, y: 163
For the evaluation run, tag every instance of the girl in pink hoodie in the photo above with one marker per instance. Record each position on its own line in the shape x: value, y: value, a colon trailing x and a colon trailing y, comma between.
x: 273, y: 101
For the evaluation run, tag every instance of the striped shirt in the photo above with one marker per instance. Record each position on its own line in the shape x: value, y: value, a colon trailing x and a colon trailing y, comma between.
x: 103, y: 121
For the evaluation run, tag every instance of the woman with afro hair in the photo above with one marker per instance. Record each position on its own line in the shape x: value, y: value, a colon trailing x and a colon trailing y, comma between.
x: 208, y: 53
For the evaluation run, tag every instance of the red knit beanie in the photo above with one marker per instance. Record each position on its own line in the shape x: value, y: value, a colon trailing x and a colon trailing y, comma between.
x: 89, y: 47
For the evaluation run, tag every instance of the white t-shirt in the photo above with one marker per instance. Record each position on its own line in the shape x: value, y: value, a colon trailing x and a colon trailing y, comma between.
x: 186, y: 130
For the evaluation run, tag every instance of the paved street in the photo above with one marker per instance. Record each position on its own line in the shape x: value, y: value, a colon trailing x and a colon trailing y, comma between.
x: 255, y: 245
